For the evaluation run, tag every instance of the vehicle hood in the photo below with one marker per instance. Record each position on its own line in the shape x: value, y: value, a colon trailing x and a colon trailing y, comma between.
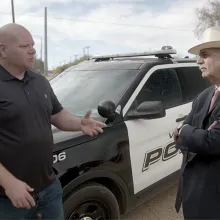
x: 63, y: 140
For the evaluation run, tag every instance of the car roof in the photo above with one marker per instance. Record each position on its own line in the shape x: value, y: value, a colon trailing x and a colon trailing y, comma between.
x: 131, y: 61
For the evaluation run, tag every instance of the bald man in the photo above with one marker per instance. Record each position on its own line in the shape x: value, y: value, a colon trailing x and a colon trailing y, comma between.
x: 28, y: 106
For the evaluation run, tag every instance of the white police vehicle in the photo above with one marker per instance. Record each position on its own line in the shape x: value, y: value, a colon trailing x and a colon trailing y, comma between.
x: 141, y: 99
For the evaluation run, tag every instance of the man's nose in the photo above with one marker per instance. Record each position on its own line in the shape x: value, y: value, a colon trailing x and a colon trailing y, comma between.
x: 32, y: 51
x: 200, y: 60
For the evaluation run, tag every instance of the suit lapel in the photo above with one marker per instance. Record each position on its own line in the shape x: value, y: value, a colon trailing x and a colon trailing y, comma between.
x: 188, y: 156
x: 205, y: 111
x: 216, y: 103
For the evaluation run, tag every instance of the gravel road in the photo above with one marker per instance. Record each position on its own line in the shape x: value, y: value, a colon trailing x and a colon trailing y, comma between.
x: 159, y: 208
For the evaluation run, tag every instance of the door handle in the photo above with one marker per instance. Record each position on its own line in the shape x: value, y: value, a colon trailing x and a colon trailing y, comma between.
x: 182, y: 118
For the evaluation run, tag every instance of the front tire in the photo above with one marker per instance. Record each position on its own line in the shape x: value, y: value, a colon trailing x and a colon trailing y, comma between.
x: 91, y: 201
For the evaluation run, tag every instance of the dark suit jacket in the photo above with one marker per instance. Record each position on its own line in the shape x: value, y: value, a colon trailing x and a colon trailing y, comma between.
x: 199, y: 188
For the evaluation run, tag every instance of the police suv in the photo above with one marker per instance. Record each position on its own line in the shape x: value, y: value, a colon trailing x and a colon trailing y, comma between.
x: 141, y: 97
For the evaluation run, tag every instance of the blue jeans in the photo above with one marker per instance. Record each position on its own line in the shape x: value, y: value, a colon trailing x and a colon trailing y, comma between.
x: 49, y: 206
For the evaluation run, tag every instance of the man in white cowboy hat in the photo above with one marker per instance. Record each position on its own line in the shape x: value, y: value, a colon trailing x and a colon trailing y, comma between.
x: 199, y: 139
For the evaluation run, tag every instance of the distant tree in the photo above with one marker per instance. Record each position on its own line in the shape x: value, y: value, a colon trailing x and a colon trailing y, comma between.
x: 207, y: 16
x: 60, y: 69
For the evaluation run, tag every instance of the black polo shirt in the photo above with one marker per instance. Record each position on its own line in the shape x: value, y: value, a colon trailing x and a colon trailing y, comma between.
x: 26, y: 141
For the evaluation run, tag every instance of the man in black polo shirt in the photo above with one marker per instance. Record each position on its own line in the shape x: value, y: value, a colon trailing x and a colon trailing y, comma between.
x: 28, y: 107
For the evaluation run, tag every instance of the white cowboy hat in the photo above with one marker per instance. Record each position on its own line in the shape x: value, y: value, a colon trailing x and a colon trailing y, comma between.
x: 210, y: 39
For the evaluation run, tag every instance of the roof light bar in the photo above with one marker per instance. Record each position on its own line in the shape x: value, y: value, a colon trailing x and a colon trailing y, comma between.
x: 165, y: 50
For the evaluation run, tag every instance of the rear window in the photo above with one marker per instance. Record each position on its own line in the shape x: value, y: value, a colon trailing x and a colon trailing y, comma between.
x: 192, y: 82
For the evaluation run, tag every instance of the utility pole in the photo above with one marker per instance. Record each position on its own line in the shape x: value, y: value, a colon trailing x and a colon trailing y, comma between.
x: 76, y: 57
x: 45, y: 43
x: 41, y: 53
x: 88, y: 50
x: 13, y: 11
x: 84, y: 53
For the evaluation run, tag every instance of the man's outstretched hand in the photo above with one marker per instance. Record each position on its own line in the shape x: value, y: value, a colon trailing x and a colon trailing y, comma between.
x: 90, y: 126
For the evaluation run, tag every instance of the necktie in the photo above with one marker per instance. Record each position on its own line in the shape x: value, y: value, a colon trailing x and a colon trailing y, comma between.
x: 214, y: 97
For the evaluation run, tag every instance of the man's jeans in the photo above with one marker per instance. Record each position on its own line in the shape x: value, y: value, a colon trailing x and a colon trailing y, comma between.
x: 49, y: 206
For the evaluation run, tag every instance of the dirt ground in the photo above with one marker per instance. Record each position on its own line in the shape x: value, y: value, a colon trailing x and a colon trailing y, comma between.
x: 159, y: 208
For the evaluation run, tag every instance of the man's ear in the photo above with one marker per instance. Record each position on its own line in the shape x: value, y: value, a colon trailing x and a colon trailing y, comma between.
x: 3, y: 50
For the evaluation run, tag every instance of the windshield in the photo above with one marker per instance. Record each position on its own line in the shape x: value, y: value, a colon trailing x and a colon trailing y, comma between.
x: 81, y: 90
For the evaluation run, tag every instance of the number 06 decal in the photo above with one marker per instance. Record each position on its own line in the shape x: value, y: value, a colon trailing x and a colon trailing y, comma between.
x: 59, y: 157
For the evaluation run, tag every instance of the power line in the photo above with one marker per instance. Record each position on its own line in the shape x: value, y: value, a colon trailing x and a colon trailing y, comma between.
x: 103, y: 22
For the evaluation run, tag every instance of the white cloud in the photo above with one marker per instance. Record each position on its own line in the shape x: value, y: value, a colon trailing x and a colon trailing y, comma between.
x: 176, y: 24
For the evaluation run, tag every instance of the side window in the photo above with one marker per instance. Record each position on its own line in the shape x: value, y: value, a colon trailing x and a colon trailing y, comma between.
x: 191, y: 82
x: 162, y: 85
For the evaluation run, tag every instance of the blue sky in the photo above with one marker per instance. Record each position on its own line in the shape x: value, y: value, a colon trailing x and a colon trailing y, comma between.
x: 74, y: 24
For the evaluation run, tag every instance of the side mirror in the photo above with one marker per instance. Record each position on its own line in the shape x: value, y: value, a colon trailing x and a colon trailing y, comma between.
x: 148, y: 110
x: 107, y: 109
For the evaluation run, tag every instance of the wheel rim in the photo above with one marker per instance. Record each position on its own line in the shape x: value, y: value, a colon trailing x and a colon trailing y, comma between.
x: 90, y: 210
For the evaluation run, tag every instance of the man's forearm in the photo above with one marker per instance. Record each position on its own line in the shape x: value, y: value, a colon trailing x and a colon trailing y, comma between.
x: 200, y: 141
x: 5, y: 176
x: 65, y: 121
